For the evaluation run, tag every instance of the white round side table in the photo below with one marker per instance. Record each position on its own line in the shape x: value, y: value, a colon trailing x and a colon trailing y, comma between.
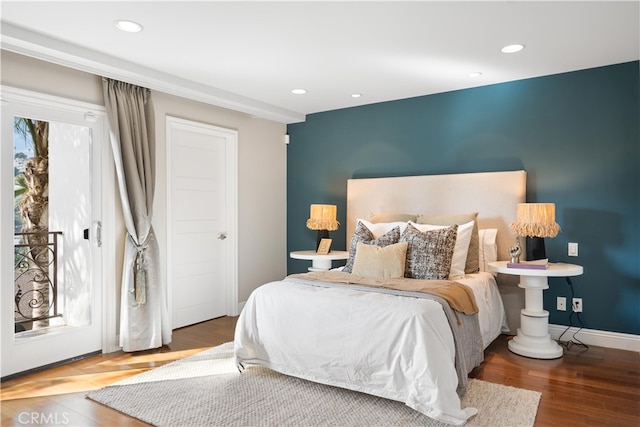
x: 533, y: 339
x: 320, y: 262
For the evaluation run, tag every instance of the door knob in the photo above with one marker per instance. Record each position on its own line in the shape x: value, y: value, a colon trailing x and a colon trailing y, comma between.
x: 222, y: 236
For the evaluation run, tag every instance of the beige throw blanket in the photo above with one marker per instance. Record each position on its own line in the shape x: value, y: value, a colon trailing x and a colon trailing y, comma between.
x: 460, y: 297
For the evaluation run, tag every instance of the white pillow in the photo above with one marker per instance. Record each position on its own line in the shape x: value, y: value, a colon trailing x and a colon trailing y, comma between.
x: 488, y: 249
x: 380, y: 228
x: 463, y: 238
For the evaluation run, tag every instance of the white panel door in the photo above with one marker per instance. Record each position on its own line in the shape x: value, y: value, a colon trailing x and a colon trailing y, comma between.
x: 201, y: 259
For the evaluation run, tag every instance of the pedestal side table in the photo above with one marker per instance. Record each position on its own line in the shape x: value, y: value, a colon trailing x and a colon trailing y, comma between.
x: 533, y: 339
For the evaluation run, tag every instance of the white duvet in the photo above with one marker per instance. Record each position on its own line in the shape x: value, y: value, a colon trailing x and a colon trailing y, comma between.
x: 394, y: 347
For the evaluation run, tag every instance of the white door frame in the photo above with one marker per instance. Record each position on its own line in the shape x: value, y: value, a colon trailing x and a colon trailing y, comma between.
x: 52, y: 108
x: 231, y: 196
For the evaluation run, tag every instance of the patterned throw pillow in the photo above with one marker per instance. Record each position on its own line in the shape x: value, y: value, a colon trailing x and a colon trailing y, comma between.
x: 364, y: 235
x: 459, y: 258
x: 472, y: 264
x: 429, y: 254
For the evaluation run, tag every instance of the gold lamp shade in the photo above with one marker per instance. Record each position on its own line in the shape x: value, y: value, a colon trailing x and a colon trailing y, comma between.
x: 323, y: 217
x: 536, y: 220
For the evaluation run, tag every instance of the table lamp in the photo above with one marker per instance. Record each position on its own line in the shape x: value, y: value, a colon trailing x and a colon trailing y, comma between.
x: 535, y: 221
x: 323, y: 219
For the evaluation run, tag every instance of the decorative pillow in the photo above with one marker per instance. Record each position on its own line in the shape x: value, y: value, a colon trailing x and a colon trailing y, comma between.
x: 380, y: 228
x: 463, y: 237
x: 472, y: 264
x: 364, y: 235
x: 380, y: 262
x: 488, y: 247
x: 429, y: 254
x: 393, y: 217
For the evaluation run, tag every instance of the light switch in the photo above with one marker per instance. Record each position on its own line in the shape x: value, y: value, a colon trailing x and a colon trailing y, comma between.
x: 573, y: 249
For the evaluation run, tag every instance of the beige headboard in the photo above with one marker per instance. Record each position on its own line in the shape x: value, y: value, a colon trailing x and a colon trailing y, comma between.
x: 493, y: 195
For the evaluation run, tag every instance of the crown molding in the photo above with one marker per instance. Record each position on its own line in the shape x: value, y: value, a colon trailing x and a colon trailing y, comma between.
x: 19, y: 40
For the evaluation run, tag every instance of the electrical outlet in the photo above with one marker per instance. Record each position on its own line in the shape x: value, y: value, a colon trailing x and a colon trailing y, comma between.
x: 577, y: 305
x: 573, y: 249
x: 561, y: 304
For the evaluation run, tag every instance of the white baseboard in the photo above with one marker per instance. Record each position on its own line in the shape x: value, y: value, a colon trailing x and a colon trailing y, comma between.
x: 598, y: 338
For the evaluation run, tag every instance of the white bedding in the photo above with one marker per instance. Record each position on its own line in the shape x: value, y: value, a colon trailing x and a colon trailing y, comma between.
x: 395, y: 347
x: 491, y: 314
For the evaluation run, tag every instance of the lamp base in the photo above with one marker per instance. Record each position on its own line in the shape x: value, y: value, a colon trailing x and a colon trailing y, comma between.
x: 322, y: 234
x: 535, y: 248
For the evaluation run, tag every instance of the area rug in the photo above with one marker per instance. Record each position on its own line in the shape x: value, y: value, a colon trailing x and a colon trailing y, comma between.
x: 206, y: 389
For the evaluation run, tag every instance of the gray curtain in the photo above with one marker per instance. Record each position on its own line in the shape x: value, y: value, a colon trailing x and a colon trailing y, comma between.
x: 144, y: 319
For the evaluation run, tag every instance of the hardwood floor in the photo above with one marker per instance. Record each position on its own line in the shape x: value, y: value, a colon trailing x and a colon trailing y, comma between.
x: 594, y: 387
x: 57, y: 396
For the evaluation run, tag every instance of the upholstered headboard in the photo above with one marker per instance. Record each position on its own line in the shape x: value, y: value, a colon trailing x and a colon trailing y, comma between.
x: 493, y: 195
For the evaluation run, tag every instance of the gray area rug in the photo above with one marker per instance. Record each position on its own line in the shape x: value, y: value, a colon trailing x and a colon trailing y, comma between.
x: 206, y: 389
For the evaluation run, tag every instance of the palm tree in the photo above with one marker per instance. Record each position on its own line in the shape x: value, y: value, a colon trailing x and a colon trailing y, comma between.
x: 34, y: 204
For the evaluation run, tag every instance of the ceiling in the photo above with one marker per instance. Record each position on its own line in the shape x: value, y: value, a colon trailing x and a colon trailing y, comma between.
x: 248, y: 56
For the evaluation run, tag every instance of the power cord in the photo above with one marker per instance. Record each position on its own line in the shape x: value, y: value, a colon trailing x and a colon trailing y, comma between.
x: 574, y: 340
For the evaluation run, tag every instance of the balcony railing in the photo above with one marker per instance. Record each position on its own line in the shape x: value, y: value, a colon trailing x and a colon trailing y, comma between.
x: 36, y: 279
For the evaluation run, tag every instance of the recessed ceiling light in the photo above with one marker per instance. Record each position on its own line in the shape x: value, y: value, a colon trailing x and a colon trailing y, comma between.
x: 128, y: 26
x: 475, y: 74
x: 512, y: 48
x: 299, y: 91
x: 356, y: 95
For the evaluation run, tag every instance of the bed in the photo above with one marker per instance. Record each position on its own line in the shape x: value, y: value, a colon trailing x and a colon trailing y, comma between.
x: 411, y: 336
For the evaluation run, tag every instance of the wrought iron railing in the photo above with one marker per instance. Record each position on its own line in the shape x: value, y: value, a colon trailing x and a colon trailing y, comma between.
x: 36, y: 278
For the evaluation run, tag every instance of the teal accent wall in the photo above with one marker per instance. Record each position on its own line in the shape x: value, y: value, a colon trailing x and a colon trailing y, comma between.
x: 576, y: 134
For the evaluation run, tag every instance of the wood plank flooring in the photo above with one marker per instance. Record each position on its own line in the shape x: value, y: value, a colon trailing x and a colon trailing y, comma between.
x: 586, y: 387
x: 594, y: 387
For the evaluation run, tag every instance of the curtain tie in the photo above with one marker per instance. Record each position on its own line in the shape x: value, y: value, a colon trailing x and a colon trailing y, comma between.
x: 140, y: 272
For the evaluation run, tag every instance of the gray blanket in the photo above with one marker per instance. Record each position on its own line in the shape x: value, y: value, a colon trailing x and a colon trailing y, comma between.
x: 465, y: 328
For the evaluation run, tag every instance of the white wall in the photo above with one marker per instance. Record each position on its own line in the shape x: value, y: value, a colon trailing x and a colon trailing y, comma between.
x: 262, y: 252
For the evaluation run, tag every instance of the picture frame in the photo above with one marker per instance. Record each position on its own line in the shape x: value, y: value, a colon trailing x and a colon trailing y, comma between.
x: 324, y: 247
